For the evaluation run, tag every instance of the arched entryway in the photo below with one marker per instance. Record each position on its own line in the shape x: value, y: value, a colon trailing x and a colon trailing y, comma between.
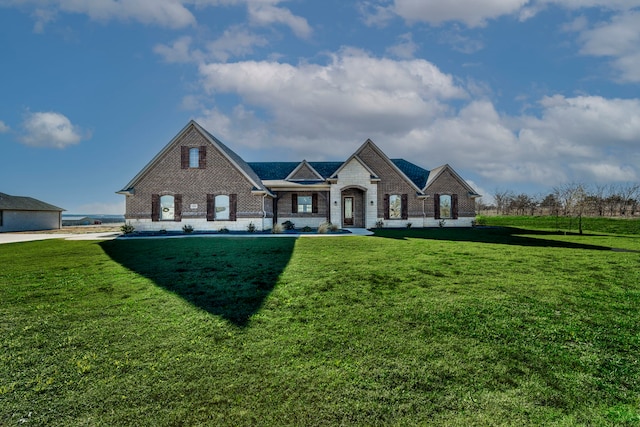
x: 353, y: 209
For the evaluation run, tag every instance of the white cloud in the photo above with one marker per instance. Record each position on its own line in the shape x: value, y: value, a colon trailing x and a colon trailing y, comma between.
x: 236, y: 41
x: 324, y: 111
x: 581, y: 4
x: 263, y: 13
x: 619, y: 39
x: 460, y: 42
x: 165, y: 13
x: 353, y: 93
x: 474, y: 13
x: 375, y: 15
x: 178, y: 52
x: 50, y: 129
x: 405, y: 48
x: 3, y: 127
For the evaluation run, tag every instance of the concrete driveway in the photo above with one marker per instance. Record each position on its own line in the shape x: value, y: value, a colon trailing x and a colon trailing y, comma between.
x: 29, y: 237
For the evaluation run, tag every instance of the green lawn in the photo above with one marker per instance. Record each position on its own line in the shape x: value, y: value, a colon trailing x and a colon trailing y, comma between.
x: 566, y: 223
x: 410, y: 327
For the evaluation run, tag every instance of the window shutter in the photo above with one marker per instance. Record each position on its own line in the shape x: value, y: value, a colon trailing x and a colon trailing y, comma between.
x: 177, y: 207
x: 404, y: 206
x: 211, y: 207
x: 203, y: 157
x: 184, y: 157
x: 314, y: 203
x: 436, y: 206
x: 155, y: 207
x: 454, y: 206
x: 294, y: 203
x: 233, y: 206
x: 386, y: 206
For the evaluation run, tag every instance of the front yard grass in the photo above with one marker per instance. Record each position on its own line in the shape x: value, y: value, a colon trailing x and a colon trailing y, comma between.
x: 409, y: 327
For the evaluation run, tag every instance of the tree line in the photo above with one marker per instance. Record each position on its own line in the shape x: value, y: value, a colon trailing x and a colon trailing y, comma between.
x: 575, y: 199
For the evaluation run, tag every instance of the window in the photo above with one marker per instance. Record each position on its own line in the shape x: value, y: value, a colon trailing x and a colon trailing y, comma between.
x: 167, y: 208
x: 0, y: 218
x: 395, y: 206
x: 194, y: 157
x: 304, y: 204
x: 446, y: 206
x: 222, y: 208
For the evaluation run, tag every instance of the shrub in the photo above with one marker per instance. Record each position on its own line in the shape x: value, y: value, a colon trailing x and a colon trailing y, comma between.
x: 408, y: 225
x: 187, y: 228
x: 277, y: 229
x: 442, y: 223
x: 288, y: 225
x: 306, y: 229
x: 223, y: 230
x: 323, y: 227
x: 127, y: 229
x: 333, y: 227
x: 379, y: 223
x: 251, y: 228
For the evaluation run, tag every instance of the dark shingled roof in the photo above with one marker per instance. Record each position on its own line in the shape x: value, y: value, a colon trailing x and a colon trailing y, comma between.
x: 20, y: 203
x: 415, y: 173
x: 239, y: 161
x: 280, y: 170
x: 273, y: 170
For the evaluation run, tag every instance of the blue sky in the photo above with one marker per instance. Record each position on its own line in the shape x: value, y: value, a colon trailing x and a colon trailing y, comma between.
x: 519, y: 95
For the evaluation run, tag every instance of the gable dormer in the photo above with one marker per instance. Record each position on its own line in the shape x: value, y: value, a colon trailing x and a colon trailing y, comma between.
x: 304, y: 172
x: 381, y: 166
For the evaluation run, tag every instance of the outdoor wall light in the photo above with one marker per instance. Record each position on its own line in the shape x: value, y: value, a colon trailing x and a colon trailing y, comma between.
x: 372, y: 203
x: 335, y: 203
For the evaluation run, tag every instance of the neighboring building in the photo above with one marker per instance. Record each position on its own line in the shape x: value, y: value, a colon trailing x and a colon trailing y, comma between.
x: 197, y: 180
x: 27, y: 214
x: 69, y: 221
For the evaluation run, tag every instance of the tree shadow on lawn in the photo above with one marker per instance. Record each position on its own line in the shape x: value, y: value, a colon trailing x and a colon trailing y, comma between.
x: 499, y: 235
x: 227, y: 277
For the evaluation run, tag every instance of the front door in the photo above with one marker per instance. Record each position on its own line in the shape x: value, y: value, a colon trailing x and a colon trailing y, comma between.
x: 348, y: 211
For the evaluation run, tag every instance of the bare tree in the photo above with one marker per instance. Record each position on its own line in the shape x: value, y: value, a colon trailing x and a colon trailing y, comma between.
x: 574, y: 200
x: 502, y: 198
x: 551, y: 204
x: 628, y: 197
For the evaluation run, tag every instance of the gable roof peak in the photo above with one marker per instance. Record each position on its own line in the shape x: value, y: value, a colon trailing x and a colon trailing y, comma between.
x: 436, y: 172
x: 231, y: 156
x: 301, y: 165
x: 385, y: 158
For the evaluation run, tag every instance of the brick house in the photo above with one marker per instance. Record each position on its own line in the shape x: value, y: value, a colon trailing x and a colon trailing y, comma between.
x: 197, y: 180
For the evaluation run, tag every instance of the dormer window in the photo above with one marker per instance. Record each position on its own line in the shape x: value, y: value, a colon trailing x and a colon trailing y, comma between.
x: 193, y: 157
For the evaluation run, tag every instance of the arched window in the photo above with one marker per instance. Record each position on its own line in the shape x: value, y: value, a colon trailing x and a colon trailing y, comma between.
x: 445, y: 206
x: 395, y: 206
x: 194, y: 157
x: 222, y: 207
x: 167, y: 208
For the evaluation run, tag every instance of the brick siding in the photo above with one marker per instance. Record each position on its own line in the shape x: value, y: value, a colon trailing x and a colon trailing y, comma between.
x: 447, y: 183
x: 219, y: 177
x: 391, y: 183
